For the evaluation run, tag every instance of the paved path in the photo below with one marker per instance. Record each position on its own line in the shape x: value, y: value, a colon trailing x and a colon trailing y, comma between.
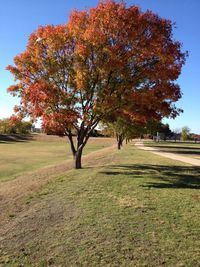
x: 195, y: 162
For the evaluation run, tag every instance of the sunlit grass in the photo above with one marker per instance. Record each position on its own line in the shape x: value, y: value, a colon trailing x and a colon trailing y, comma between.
x: 17, y: 158
x: 133, y: 209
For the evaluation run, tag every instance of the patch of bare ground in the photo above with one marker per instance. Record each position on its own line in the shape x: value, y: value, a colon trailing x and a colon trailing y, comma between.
x: 12, y: 193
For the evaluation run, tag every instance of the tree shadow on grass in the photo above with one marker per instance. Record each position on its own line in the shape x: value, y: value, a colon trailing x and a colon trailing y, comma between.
x: 164, y: 176
x: 13, y: 138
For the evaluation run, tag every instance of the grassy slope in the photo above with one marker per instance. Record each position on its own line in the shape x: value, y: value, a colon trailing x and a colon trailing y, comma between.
x: 191, y: 150
x: 17, y: 158
x: 132, y: 208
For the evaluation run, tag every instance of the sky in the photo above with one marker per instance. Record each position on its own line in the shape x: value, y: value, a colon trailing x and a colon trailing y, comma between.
x: 19, y: 18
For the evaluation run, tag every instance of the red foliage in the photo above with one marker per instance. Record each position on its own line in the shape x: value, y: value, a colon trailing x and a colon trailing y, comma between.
x: 106, y: 59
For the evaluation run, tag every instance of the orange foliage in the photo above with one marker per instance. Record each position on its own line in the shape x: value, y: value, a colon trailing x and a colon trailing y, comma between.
x: 106, y: 59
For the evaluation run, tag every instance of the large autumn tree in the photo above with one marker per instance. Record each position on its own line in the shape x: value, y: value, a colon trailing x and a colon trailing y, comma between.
x: 106, y: 59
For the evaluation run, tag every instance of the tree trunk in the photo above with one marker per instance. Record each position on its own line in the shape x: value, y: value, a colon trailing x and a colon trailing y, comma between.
x: 119, y: 141
x: 77, y: 159
x: 83, y: 134
x: 119, y: 144
x: 72, y: 145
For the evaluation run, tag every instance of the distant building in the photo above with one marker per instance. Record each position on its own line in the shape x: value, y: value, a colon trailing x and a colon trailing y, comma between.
x: 196, y: 137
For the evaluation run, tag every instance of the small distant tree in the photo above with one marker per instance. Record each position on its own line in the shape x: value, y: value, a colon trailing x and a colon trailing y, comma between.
x: 165, y: 129
x: 123, y: 129
x: 154, y: 126
x: 119, y: 128
x: 134, y: 131
x: 185, y: 133
x: 5, y: 127
x: 176, y: 132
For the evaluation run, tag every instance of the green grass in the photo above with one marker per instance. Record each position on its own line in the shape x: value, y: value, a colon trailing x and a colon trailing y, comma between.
x: 183, y: 148
x: 133, y: 209
x: 18, y: 158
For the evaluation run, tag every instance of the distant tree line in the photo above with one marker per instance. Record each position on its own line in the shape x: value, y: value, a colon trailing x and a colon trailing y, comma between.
x: 14, y: 126
x: 122, y: 130
x: 184, y: 134
x: 126, y: 130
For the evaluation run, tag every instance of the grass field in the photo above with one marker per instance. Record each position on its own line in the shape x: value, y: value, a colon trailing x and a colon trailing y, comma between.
x: 23, y: 156
x: 125, y: 208
x: 191, y: 150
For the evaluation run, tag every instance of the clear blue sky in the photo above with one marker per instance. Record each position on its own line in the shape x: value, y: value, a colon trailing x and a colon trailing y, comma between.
x: 18, y: 18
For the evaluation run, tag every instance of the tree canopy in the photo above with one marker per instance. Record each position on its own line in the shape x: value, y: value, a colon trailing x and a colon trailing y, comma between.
x: 108, y: 59
x: 185, y: 133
